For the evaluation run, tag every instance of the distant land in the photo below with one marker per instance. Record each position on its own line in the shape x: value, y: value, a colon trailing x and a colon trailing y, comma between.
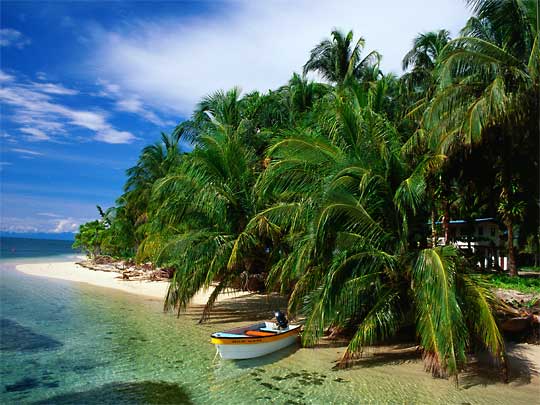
x: 39, y: 235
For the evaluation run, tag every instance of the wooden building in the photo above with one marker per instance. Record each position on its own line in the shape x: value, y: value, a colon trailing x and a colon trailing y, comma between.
x: 483, y: 238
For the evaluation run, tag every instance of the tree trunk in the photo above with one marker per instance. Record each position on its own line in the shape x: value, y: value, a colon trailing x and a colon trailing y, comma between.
x: 512, y: 266
x: 433, y: 229
x: 446, y: 222
x: 536, y: 248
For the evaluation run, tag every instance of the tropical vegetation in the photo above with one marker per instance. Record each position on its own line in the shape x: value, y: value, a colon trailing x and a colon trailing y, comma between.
x: 331, y: 192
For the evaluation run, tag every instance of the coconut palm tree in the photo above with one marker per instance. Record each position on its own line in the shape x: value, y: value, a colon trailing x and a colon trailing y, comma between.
x: 421, y: 60
x: 221, y: 106
x: 200, y: 210
x: 338, y: 59
x: 489, y: 85
x: 155, y: 161
x: 418, y: 85
x: 343, y: 205
x: 335, y: 212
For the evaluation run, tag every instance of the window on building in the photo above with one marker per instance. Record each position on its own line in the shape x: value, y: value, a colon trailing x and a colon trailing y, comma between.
x: 480, y: 230
x: 493, y: 231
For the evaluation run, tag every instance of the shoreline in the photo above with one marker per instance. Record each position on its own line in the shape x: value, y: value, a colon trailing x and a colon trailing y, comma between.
x: 233, y: 309
x: 71, y: 271
x: 151, y: 333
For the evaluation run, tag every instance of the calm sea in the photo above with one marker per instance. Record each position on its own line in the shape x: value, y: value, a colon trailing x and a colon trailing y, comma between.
x: 17, y: 248
x: 71, y: 343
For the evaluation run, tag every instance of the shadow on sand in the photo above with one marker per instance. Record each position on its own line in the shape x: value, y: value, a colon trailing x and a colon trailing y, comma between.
x: 256, y: 308
x: 483, y: 371
x: 385, y: 355
x: 251, y: 308
x: 143, y: 392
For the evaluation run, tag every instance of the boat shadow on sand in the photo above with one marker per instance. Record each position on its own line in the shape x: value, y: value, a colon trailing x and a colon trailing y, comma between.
x: 267, y: 359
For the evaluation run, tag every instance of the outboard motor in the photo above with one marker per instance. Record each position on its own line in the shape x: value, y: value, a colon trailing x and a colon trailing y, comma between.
x: 281, y: 319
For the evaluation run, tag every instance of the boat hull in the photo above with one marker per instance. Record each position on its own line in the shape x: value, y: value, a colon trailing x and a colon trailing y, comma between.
x: 246, y: 350
x: 254, y: 340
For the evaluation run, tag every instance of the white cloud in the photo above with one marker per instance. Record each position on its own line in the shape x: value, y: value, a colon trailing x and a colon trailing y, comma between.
x: 4, y: 77
x: 66, y: 225
x: 41, y: 76
x: 113, y: 136
x: 52, y: 88
x: 11, y: 37
x: 35, y: 134
x: 87, y: 119
x: 5, y: 137
x: 4, y: 164
x: 48, y: 214
x: 24, y: 210
x: 16, y: 225
x: 26, y: 152
x: 40, y: 114
x: 171, y: 63
x: 136, y: 106
x: 129, y: 103
x: 109, y: 89
x: 36, y: 224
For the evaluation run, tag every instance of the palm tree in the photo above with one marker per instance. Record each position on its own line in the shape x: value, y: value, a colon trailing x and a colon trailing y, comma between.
x: 489, y: 85
x: 338, y: 59
x: 343, y: 205
x: 418, y: 85
x: 155, y: 161
x: 314, y: 186
x: 421, y: 62
x: 200, y: 210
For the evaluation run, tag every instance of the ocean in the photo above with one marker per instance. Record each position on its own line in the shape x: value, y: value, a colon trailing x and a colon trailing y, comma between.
x: 70, y: 343
x: 18, y: 248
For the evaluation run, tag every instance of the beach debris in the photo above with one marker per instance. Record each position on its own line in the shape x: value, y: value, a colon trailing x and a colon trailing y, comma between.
x: 519, y: 315
x: 128, y: 270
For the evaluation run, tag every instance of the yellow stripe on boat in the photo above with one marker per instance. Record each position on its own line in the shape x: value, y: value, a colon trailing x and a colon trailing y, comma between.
x: 251, y: 340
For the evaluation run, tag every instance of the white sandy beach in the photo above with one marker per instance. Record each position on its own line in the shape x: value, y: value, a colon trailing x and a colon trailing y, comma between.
x: 71, y: 271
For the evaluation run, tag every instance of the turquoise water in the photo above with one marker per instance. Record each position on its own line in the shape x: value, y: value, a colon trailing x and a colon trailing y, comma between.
x: 17, y: 248
x: 64, y: 342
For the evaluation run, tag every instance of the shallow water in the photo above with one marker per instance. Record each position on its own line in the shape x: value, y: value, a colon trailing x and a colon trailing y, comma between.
x: 66, y: 342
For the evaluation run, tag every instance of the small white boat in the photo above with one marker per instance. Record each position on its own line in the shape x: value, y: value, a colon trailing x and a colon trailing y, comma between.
x: 254, y: 340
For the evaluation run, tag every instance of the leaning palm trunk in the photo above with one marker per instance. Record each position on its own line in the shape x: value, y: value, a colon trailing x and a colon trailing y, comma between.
x: 434, y: 236
x: 512, y: 265
x: 446, y: 222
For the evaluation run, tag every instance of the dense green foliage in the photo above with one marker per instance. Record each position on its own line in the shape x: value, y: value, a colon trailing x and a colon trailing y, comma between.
x: 90, y: 238
x: 325, y: 190
x: 523, y: 284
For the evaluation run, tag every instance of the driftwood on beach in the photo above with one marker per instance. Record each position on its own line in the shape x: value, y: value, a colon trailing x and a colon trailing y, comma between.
x: 519, y: 315
x: 127, y: 269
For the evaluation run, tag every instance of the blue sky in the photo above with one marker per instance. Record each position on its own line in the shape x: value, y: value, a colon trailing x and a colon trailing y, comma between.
x: 85, y: 85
